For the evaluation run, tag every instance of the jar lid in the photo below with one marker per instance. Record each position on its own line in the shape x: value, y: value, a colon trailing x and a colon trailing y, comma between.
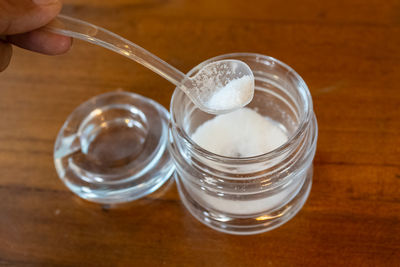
x: 113, y: 148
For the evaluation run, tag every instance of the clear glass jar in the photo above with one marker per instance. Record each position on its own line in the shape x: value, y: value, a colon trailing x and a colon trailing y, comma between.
x: 255, y: 194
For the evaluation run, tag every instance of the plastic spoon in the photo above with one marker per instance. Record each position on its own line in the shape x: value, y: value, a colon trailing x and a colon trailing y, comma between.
x: 199, y: 88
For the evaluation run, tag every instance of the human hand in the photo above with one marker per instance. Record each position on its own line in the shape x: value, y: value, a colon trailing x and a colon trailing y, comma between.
x: 20, y: 24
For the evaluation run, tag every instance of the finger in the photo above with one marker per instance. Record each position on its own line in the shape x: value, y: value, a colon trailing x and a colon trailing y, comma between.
x: 18, y: 16
x: 5, y: 55
x: 42, y: 41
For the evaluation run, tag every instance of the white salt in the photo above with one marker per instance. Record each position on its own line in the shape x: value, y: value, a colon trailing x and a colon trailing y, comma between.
x: 236, y: 94
x: 241, y: 133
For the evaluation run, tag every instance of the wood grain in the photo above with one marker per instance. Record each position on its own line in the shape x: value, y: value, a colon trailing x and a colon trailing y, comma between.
x: 348, y: 52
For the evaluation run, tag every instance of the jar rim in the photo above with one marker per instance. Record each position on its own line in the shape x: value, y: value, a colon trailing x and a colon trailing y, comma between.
x: 305, y: 116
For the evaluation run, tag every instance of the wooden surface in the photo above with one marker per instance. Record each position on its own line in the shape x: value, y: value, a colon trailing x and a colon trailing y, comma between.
x: 348, y: 52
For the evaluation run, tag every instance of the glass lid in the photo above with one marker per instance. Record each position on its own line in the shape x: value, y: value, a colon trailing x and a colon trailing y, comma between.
x: 113, y: 148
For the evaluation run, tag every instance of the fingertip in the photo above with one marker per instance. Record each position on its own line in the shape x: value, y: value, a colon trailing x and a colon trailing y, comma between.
x: 58, y: 44
x: 46, y: 12
x: 66, y: 45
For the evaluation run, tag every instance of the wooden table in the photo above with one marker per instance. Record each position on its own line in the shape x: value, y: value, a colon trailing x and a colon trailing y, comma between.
x: 347, y: 51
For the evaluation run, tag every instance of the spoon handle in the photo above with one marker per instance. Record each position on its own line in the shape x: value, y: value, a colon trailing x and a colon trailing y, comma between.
x: 65, y: 25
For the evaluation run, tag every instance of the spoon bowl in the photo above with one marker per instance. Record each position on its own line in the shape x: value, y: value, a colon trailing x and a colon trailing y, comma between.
x: 221, y: 86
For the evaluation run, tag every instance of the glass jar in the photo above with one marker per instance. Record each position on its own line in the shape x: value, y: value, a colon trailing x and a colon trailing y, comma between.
x: 254, y: 194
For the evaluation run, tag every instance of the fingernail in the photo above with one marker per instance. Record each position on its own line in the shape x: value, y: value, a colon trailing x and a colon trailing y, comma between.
x: 44, y: 2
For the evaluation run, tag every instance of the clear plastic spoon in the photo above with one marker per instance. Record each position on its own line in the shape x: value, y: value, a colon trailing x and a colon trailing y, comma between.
x: 200, y: 88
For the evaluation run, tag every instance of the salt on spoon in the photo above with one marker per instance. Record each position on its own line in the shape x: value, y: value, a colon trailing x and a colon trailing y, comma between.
x: 233, y: 94
x: 219, y: 87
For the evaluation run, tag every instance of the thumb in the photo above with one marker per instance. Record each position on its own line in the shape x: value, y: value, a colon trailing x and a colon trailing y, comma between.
x: 18, y: 16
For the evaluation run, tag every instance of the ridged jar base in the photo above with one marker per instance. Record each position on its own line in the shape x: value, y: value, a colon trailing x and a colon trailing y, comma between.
x: 245, y: 225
